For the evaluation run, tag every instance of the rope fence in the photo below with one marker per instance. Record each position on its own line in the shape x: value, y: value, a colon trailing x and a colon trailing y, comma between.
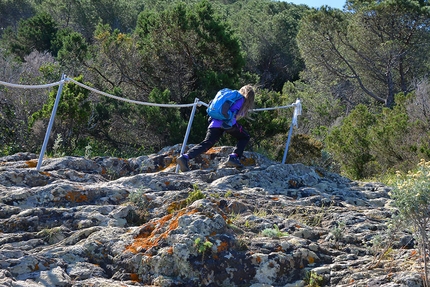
x: 297, y: 111
x: 29, y: 86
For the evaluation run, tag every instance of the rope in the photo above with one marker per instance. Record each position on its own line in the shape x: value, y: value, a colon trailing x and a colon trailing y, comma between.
x: 199, y: 103
x: 30, y: 86
x: 274, y: 108
x: 128, y: 100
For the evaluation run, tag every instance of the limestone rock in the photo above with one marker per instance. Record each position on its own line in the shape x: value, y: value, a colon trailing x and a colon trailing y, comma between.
x: 114, y: 222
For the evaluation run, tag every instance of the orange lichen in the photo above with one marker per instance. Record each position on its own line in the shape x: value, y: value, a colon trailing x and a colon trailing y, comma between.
x: 170, y: 250
x: 258, y: 259
x: 167, y: 183
x: 45, y: 173
x: 171, y: 165
x: 152, y: 233
x: 293, y: 183
x: 213, y: 233
x: 176, y: 205
x: 206, y: 162
x: 134, y: 277
x: 36, y: 267
x: 76, y: 196
x: 279, y: 248
x: 275, y: 198
x: 213, y: 150
x: 319, y: 173
x: 31, y: 163
x: 222, y: 247
x: 248, y: 161
x: 311, y: 260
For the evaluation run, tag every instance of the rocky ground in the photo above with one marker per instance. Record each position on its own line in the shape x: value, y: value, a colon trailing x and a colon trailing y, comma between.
x: 116, y: 222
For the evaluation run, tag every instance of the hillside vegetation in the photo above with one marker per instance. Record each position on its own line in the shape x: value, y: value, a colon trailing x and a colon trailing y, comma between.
x: 361, y: 74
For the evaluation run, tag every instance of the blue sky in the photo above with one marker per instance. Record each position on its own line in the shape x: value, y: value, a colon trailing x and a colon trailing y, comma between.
x: 318, y: 3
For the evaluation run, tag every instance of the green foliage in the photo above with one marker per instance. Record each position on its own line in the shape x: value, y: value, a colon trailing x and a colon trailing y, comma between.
x: 83, y: 16
x: 7, y: 130
x: 304, y: 149
x: 11, y: 11
x: 313, y: 279
x: 350, y: 143
x: 267, y: 31
x: 138, y: 198
x: 391, y: 138
x: 367, y: 144
x: 273, y: 232
x: 140, y: 214
x: 197, y: 50
x: 51, y: 235
x: 174, y: 51
x: 366, y: 50
x: 196, y: 194
x: 338, y: 231
x: 72, y: 115
x: 319, y: 109
x: 73, y: 50
x: 202, y: 247
x: 165, y: 123
x: 265, y: 126
x: 57, y: 148
x: 175, y: 55
x: 411, y: 194
x: 36, y: 33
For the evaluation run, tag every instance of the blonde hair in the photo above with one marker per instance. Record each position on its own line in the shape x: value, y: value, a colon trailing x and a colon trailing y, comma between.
x: 248, y: 93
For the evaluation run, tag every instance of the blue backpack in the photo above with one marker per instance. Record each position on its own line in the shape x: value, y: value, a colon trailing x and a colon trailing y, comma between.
x: 219, y: 107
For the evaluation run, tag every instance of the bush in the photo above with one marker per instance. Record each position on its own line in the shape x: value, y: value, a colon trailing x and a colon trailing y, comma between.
x: 368, y: 145
x: 411, y: 194
x: 350, y: 144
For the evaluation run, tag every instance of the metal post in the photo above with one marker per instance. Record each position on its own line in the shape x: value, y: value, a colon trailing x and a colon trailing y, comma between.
x: 51, y: 122
x: 190, y: 122
x: 297, y: 112
x: 287, y: 144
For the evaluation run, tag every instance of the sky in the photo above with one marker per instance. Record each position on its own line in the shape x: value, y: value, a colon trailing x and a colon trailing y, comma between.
x: 318, y: 3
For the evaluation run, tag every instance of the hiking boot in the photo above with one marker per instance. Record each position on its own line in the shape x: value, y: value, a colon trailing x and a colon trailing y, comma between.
x: 233, y: 160
x: 183, y: 163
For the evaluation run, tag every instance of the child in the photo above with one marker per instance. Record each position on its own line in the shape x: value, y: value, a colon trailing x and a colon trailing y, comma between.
x: 215, y: 131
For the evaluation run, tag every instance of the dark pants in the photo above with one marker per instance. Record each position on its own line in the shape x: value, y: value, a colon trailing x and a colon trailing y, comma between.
x: 214, y: 134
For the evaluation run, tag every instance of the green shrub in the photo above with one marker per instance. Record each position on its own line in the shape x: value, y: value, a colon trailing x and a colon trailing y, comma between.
x: 411, y: 194
x: 273, y: 232
x: 395, y: 138
x: 196, y: 194
x: 72, y: 117
x: 369, y: 144
x: 312, y: 279
x: 350, y: 144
